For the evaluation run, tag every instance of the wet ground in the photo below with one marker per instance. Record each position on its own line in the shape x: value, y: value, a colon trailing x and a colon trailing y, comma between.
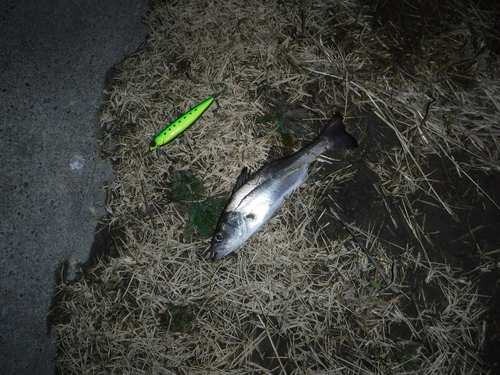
x: 468, y: 243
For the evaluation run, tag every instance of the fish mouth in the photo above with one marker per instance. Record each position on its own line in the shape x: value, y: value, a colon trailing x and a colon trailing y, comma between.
x: 215, y: 252
x: 218, y: 252
x: 218, y: 256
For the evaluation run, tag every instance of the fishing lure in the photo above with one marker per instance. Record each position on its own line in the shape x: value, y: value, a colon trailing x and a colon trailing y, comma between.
x: 182, y: 123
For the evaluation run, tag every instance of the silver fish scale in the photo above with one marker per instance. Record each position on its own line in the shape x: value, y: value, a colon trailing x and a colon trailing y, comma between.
x: 263, y: 201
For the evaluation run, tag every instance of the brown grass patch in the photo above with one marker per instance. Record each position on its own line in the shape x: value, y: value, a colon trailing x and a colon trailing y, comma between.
x: 301, y: 296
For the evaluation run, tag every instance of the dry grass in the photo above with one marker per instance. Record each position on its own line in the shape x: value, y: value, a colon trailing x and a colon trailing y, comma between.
x: 294, y: 300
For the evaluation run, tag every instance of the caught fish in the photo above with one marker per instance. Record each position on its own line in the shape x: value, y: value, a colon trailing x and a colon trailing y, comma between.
x: 256, y: 198
x: 182, y: 123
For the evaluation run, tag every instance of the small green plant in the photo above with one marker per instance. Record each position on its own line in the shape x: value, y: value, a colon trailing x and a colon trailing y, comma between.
x: 204, y: 215
x: 375, y: 284
x: 208, y: 303
x: 284, y: 121
x: 176, y: 319
x: 203, y: 211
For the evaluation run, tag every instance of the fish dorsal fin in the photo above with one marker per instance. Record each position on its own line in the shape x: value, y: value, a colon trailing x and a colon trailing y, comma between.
x: 241, y: 189
x: 241, y: 180
x: 277, y: 152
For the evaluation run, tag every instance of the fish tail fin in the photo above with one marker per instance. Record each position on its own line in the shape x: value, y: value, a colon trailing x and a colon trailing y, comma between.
x: 336, y: 136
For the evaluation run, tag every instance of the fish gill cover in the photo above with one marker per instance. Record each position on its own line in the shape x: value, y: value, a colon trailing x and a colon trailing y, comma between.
x: 384, y: 263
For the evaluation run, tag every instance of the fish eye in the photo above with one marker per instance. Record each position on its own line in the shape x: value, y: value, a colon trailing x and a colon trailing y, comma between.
x: 153, y: 144
x: 219, y: 237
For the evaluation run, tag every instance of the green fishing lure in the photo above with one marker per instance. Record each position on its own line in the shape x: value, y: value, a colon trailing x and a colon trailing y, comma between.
x: 182, y: 123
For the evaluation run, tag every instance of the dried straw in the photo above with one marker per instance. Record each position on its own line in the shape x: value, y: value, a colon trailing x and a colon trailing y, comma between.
x: 293, y: 300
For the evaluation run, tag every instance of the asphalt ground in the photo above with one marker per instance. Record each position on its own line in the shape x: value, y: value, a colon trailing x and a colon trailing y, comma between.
x: 56, y: 57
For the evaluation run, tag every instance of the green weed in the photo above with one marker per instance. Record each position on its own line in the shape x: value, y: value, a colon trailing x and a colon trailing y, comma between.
x: 284, y: 121
x: 177, y: 320
x: 203, y: 211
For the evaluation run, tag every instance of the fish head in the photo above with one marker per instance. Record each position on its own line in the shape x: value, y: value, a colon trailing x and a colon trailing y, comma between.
x: 231, y: 233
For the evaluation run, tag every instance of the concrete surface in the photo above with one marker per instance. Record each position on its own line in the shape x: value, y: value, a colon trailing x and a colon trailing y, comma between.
x: 55, y: 59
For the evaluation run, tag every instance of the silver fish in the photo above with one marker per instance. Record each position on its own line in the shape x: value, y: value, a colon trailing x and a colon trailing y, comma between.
x: 256, y: 198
